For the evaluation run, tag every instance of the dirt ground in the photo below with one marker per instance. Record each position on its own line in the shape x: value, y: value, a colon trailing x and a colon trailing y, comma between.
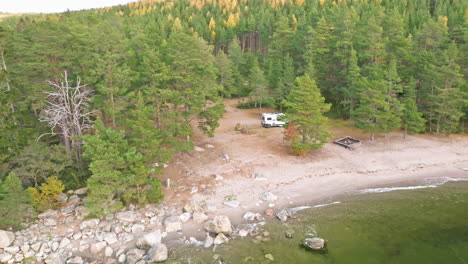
x: 321, y: 175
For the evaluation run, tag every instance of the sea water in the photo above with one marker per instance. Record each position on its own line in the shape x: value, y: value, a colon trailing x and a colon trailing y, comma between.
x: 420, y: 223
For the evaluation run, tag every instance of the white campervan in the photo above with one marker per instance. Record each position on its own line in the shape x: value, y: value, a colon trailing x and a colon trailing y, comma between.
x: 272, y: 119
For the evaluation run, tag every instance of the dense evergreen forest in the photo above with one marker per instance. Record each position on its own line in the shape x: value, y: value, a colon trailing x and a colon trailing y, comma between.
x: 103, y: 98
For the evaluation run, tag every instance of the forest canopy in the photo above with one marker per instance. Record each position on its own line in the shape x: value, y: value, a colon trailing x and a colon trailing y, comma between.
x: 150, y: 71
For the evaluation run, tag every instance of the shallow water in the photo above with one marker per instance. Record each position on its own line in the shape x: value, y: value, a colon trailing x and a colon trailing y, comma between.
x: 423, y: 225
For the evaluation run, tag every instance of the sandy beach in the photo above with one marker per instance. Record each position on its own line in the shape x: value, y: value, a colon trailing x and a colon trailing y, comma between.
x: 259, y: 161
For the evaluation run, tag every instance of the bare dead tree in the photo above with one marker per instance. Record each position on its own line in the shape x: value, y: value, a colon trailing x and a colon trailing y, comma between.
x: 67, y: 113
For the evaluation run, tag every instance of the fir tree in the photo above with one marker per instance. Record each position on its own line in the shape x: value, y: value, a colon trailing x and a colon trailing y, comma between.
x: 15, y: 207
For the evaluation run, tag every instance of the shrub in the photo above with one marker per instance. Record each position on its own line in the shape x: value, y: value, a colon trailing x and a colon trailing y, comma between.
x: 45, y: 196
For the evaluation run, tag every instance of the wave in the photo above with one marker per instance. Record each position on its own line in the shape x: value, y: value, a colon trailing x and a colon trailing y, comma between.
x: 431, y: 183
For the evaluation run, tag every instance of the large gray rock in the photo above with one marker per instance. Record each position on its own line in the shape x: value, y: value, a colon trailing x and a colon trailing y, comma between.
x: 149, y: 240
x: 209, y: 241
x: 48, y: 214
x: 283, y: 215
x: 75, y: 260
x: 199, y: 217
x: 185, y: 217
x: 173, y: 224
x: 64, y: 243
x: 5, y: 257
x: 315, y: 243
x: 110, y: 238
x: 268, y: 197
x: 220, y: 239
x: 138, y: 228
x: 157, y: 253
x: 91, y: 223
x: 219, y: 224
x: 127, y: 216
x: 81, y: 191
x: 12, y: 249
x: 81, y: 211
x: 68, y: 209
x: 62, y: 198
x: 134, y: 255
x: 6, y: 238
x: 97, y: 247
x: 192, y: 206
x: 56, y: 258
x: 50, y: 221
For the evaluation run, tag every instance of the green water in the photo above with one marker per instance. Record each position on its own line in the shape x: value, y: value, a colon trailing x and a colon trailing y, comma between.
x: 417, y: 226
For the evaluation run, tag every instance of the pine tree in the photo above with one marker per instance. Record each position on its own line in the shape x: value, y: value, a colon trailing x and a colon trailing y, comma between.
x: 118, y: 172
x: 412, y: 119
x: 258, y: 85
x: 15, y: 207
x: 225, y: 75
x: 306, y: 107
x: 374, y: 113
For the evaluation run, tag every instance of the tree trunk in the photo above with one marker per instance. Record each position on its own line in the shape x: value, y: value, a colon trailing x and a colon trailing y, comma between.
x: 113, y: 109
x: 372, y: 136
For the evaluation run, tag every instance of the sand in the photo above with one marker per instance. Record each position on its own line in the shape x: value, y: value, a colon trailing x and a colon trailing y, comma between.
x: 317, y: 178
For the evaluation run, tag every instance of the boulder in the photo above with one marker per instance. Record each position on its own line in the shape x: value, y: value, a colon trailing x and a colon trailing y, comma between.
x: 75, y: 260
x: 108, y: 251
x: 158, y: 253
x: 12, y: 249
x: 56, y: 258
x: 48, y: 214
x: 50, y: 221
x: 62, y: 198
x: 249, y: 216
x: 5, y: 257
x: 283, y: 215
x: 68, y: 209
x: 6, y: 238
x: 268, y: 197
x: 134, y: 255
x: 199, y: 217
x: 149, y: 240
x: 315, y: 243
x: 185, y: 217
x: 122, y: 258
x: 138, y: 228
x: 209, y: 241
x: 127, y: 216
x: 97, y: 247
x: 81, y: 211
x: 173, y: 224
x: 91, y: 223
x: 110, y: 238
x: 219, y: 224
x: 64, y: 243
x: 192, y: 206
x: 220, y: 239
x: 81, y: 191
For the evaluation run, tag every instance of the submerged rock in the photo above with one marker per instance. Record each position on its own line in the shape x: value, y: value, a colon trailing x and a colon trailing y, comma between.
x: 315, y: 243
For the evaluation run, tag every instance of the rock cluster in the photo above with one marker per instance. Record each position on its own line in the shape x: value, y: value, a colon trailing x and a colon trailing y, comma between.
x: 129, y: 236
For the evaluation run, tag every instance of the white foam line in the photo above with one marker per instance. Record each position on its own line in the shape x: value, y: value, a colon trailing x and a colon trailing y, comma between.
x: 323, y: 205
x: 429, y: 185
